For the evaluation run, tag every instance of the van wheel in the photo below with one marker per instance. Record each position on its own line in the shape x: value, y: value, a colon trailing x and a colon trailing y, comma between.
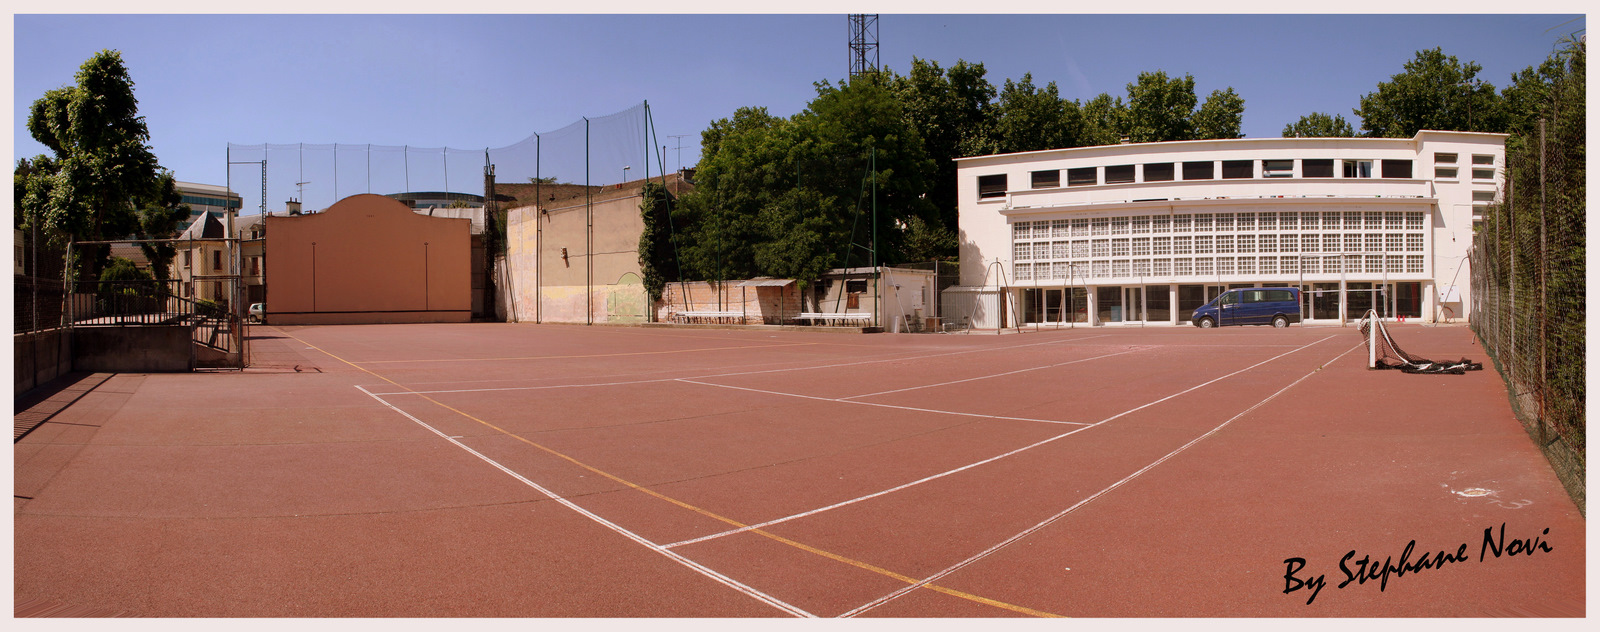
x: 1206, y: 323
x: 1280, y: 322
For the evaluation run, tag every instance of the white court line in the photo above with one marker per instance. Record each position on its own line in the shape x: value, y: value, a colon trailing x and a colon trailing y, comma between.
x: 846, y: 401
x: 691, y: 564
x: 702, y: 377
x: 1008, y: 541
x: 985, y: 377
x: 988, y: 460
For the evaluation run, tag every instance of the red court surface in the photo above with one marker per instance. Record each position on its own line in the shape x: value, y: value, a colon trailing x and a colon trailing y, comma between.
x: 506, y: 470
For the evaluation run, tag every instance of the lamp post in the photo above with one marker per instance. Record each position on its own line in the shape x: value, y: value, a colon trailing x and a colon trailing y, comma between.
x: 625, y: 173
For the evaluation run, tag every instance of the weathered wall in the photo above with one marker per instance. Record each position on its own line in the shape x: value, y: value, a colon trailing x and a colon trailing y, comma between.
x: 765, y: 305
x: 368, y: 259
x: 555, y: 274
x: 39, y: 357
x: 133, y: 349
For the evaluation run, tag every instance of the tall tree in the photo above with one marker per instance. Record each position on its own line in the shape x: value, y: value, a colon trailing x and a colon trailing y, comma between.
x: 1319, y: 125
x: 1221, y: 116
x: 102, y: 168
x: 1435, y: 91
x: 954, y: 113
x: 1105, y: 121
x: 1033, y: 119
x: 1160, y: 108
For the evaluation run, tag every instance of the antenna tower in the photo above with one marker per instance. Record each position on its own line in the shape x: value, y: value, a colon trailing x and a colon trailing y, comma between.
x: 863, y: 44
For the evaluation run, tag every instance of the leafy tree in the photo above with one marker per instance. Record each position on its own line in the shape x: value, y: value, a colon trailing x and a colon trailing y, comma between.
x: 1221, y: 116
x: 1319, y: 125
x: 1160, y: 108
x: 954, y: 113
x: 160, y: 218
x: 657, y: 249
x: 1034, y: 119
x: 1434, y: 92
x: 102, y: 168
x: 1105, y: 121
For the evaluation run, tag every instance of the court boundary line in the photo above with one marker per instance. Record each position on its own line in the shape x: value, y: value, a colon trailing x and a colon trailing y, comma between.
x: 636, y: 538
x: 985, y: 461
x: 910, y: 408
x: 1108, y: 489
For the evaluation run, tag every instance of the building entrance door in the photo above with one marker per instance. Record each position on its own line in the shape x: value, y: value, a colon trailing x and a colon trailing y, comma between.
x: 1133, y: 301
x: 1108, y: 301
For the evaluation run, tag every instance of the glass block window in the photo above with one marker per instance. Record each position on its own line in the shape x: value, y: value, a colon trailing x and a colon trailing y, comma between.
x: 1373, y: 219
x: 1022, y: 252
x: 1060, y: 228
x: 1161, y: 246
x: 1309, y: 242
x: 1060, y: 249
x: 1183, y: 266
x: 1246, y: 244
x: 1202, y: 245
x: 1119, y: 225
x: 1224, y: 244
x: 1352, y: 264
x: 1288, y: 265
x: 1413, y: 243
x: 1289, y: 221
x: 1080, y: 227
x: 1160, y: 224
x: 1060, y: 270
x: 1267, y: 221
x: 1101, y: 269
x: 1203, y: 266
x: 1309, y: 220
x: 1224, y: 222
x: 1141, y: 267
x: 1393, y: 220
x: 1141, y: 246
x: 1330, y: 220
x: 1374, y: 264
x: 1394, y: 242
x: 1330, y: 243
x: 1161, y: 267
x: 1245, y: 221
x: 1267, y: 243
x: 1203, y: 222
x: 1267, y: 265
x: 1041, y: 250
x: 1247, y: 265
x: 1309, y: 265
x: 1183, y: 245
x: 1080, y: 249
x: 1373, y: 242
x: 1119, y: 268
x: 1394, y: 264
x: 1140, y: 225
x: 1119, y: 247
x: 1413, y: 220
x: 1352, y: 220
x: 1023, y: 271
x: 1414, y: 264
x: 1022, y: 230
x: 1102, y: 248
x: 1182, y: 223
x: 1225, y: 266
x: 1100, y: 226
x: 1352, y: 242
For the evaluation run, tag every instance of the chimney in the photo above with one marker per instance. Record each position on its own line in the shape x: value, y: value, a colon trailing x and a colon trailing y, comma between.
x: 293, y: 206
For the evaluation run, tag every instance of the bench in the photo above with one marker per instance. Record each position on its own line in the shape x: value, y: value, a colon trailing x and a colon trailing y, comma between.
x: 703, y: 317
x: 857, y: 318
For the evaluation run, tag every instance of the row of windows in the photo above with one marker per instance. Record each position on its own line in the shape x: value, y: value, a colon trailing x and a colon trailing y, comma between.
x: 1218, y: 222
x: 199, y: 200
x: 1218, y: 266
x: 995, y: 185
x: 1218, y: 244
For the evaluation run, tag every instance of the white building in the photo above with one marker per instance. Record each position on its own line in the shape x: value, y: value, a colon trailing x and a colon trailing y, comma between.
x: 1145, y: 233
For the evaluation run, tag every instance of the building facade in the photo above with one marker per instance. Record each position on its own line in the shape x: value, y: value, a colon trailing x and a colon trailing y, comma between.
x: 1145, y: 233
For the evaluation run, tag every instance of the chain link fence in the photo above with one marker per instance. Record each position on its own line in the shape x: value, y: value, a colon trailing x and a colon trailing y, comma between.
x: 1529, y: 286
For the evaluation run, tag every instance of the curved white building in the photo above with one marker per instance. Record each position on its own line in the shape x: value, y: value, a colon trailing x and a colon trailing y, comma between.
x: 1145, y: 233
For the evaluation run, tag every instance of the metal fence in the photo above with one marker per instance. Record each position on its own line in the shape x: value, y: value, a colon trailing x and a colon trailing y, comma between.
x: 1528, y: 289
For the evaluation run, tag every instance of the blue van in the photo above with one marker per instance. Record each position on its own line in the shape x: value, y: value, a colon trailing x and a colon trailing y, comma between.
x: 1276, y: 306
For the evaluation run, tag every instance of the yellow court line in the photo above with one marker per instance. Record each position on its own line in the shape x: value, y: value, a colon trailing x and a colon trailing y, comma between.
x: 804, y: 547
x: 562, y: 357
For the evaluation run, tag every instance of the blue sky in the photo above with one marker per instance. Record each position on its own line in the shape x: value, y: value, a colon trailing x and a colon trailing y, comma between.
x: 478, y: 81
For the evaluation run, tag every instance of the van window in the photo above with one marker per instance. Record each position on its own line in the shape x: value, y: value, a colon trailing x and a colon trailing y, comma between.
x: 1229, y: 298
x: 1276, y: 296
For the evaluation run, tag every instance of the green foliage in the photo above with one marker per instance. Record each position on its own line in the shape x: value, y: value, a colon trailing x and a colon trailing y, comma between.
x: 1034, y: 119
x: 1319, y: 125
x: 954, y: 113
x: 1160, y: 108
x: 102, y: 168
x: 1435, y: 92
x: 120, y: 269
x: 1221, y: 116
x: 1105, y: 120
x: 657, y: 251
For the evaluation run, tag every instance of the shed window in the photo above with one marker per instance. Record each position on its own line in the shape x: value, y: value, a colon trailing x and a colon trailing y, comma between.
x: 1158, y: 172
x: 1082, y: 176
x: 1119, y: 173
x: 1358, y: 168
x: 1396, y: 168
x: 1238, y: 168
x: 991, y: 186
x: 1047, y: 179
x: 1277, y: 168
x: 1316, y: 168
x: 1199, y: 170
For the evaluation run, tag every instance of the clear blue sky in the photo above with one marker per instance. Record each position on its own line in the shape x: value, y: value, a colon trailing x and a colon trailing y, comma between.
x: 478, y: 81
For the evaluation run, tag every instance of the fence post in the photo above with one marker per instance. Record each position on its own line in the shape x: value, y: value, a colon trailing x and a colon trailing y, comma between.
x: 1543, y: 254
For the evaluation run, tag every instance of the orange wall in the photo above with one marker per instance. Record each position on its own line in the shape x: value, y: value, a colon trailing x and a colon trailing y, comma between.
x: 362, y: 261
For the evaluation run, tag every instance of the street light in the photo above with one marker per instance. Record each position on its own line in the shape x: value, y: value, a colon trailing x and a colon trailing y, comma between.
x: 625, y: 173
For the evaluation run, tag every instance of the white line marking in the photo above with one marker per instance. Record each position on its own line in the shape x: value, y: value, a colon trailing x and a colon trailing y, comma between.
x: 691, y: 564
x: 913, y: 409
x: 988, y: 460
x: 1030, y: 530
x: 985, y: 377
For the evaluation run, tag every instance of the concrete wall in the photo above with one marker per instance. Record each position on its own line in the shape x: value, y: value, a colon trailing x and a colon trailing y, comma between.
x: 368, y: 259
x: 564, y: 270
x: 133, y: 349
x: 764, y: 305
x: 38, y: 358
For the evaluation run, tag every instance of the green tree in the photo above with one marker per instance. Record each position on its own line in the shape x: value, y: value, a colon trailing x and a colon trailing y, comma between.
x: 954, y: 113
x: 102, y: 168
x: 1435, y: 91
x: 1160, y: 108
x: 658, y: 259
x: 159, y: 218
x: 1221, y: 116
x: 1319, y: 125
x: 1034, y: 119
x: 1105, y: 121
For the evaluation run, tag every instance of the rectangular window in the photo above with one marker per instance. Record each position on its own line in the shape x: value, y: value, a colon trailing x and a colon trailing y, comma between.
x: 1287, y: 221
x: 1119, y: 225
x: 1160, y: 246
x: 1102, y: 269
x: 1183, y: 266
x: 1141, y: 246
x: 1245, y: 243
x: 1310, y: 265
x: 1374, y: 264
x: 1352, y: 220
x: 1224, y: 222
x: 991, y: 186
x: 216, y: 261
x: 1046, y: 179
x: 1483, y: 196
x: 1480, y: 159
x: 1117, y: 174
x: 1309, y: 242
x: 1394, y: 263
x: 1413, y: 243
x: 1183, y: 245
x: 1181, y: 223
x: 1060, y: 228
x: 1224, y: 244
x: 1374, y: 242
x: 1119, y: 268
x: 1238, y: 168
x: 1267, y: 265
x: 188, y: 259
x: 1082, y: 176
x: 1022, y: 252
x: 1267, y: 243
x: 1080, y: 249
x: 1393, y: 220
x: 1199, y: 170
x: 1413, y: 220
x: 1277, y: 168
x: 1309, y: 220
x: 1161, y: 224
x: 1100, y: 225
x: 1352, y: 242
x: 1288, y: 265
x: 1119, y: 247
x: 1225, y: 265
x: 1021, y: 230
x: 1394, y: 242
x: 1373, y: 220
x: 1041, y: 250
x: 1357, y: 168
x: 1441, y: 158
x: 1059, y: 249
x: 1246, y: 265
x: 1330, y: 242
x: 1080, y: 227
x: 1060, y: 270
x: 1023, y: 271
x: 1102, y: 248
x: 1445, y: 173
x: 1141, y: 225
x: 1162, y: 267
x: 1202, y: 266
x: 1316, y: 168
x: 1203, y: 222
x: 1202, y: 245
x: 1245, y: 222
x: 1414, y: 264
x: 1482, y: 174
x: 1396, y: 168
x: 1141, y: 267
x: 1158, y: 172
